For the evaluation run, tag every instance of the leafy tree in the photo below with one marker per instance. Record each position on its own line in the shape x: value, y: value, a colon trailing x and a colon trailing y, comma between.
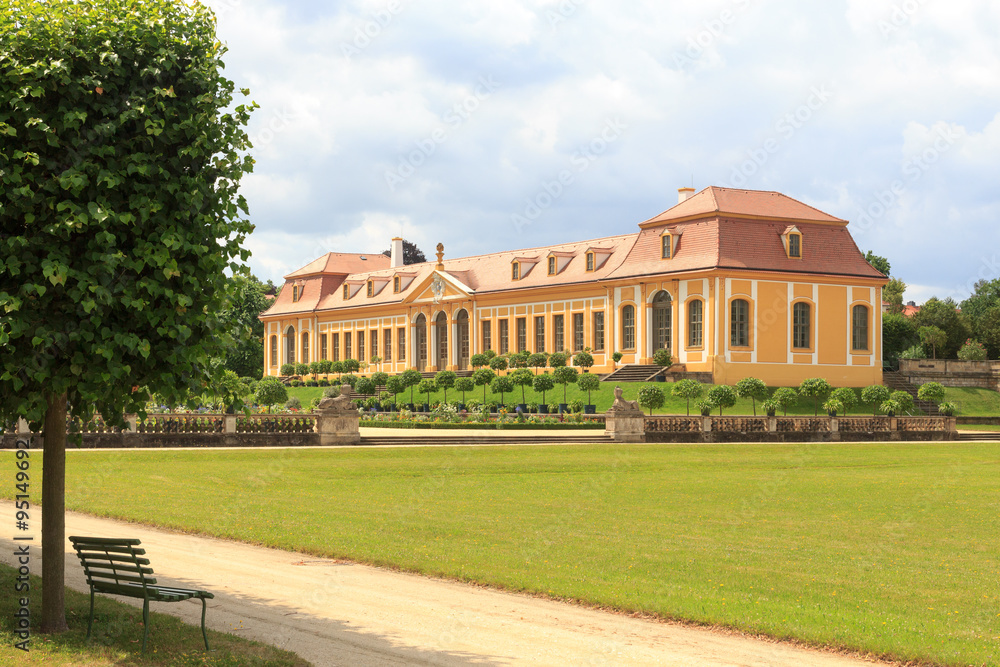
x: 933, y: 336
x: 464, y: 385
x: 522, y: 378
x: 120, y: 158
x: 314, y: 369
x: 538, y: 360
x: 722, y: 396
x: 427, y: 387
x: 651, y: 397
x: 351, y: 365
x: 564, y: 375
x: 931, y: 391
x: 270, y: 391
x: 479, y: 360
x: 987, y: 330
x: 445, y: 380
x: 395, y: 386
x: 410, y: 378
x: 325, y: 366
x: 489, y: 355
x: 662, y: 358
x: 945, y: 316
x: 982, y: 310
x: 557, y: 360
x: 365, y: 386
x: 498, y: 363
x: 380, y: 378
x: 898, y: 333
x: 880, y: 263
x: 411, y: 253
x: 482, y: 378
x: 589, y: 382
x: 519, y: 359
x: 846, y: 397
x: 753, y: 389
x: 241, y: 319
x: 583, y: 359
x: 501, y: 384
x: 875, y: 394
x: 785, y: 397
x: 336, y: 366
x: 893, y: 293
x: 543, y: 383
x: 287, y: 369
x: 688, y: 389
x: 815, y: 388
x: 903, y: 399
x: 302, y: 368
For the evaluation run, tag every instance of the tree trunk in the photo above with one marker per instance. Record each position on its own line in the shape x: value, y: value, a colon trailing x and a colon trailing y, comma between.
x: 54, y: 517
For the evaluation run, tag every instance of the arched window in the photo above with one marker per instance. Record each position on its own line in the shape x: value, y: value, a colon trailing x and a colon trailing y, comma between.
x: 290, y: 345
x: 696, y: 323
x: 859, y: 328
x: 628, y: 328
x: 739, y: 323
x: 801, y: 318
x: 305, y: 347
x: 662, y: 321
x: 274, y: 350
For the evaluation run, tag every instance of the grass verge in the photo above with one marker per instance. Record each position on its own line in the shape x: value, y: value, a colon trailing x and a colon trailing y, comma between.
x: 117, y: 637
x: 886, y: 548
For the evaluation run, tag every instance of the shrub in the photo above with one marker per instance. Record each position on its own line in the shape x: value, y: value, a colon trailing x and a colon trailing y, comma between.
x: 323, y: 382
x: 616, y: 357
x: 583, y: 359
x: 588, y: 382
x: 948, y: 409
x: 543, y: 383
x: 662, y: 358
x: 876, y: 394
x: 705, y: 406
x: 816, y: 388
x: 770, y: 406
x: 890, y: 407
x: 576, y: 405
x: 312, y: 383
x: 847, y: 398
x: 651, y: 397
x: 557, y: 360
x: 972, y: 350
x: 722, y: 396
x: 931, y: 391
x: 785, y: 397
x: 914, y: 352
x: 331, y: 392
x: 753, y: 389
x: 365, y: 386
x: 293, y: 403
x: 833, y: 406
x: 287, y: 369
x: 688, y: 389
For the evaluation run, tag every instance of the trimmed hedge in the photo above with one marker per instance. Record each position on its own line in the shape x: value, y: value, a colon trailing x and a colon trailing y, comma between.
x: 368, y: 423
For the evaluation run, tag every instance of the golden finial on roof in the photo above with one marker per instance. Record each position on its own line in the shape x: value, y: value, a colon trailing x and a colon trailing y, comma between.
x: 440, y: 252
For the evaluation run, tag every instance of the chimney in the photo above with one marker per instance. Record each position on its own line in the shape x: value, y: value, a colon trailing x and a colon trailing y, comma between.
x: 396, y: 253
x: 683, y: 194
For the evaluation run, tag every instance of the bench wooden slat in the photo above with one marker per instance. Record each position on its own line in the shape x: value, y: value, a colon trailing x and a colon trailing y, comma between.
x: 114, y: 558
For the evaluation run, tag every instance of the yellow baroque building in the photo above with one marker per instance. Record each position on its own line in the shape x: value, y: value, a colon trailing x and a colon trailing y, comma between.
x: 735, y: 283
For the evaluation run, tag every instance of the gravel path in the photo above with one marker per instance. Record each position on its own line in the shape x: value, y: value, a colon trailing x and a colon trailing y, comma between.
x: 335, y: 613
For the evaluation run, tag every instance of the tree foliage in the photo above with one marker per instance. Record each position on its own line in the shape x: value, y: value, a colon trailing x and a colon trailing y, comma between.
x: 893, y: 293
x: 688, y: 389
x: 651, y: 397
x: 121, y: 155
x: 411, y: 253
x: 931, y: 391
x: 784, y: 398
x: 565, y: 375
x: 815, y: 388
x: 754, y: 389
x: 522, y: 378
x: 944, y: 315
x: 898, y: 334
x: 270, y: 391
x: 880, y: 263
x: 588, y: 382
x: 846, y: 397
x: 933, y: 337
x: 241, y: 320
x: 543, y: 383
x: 445, y: 380
x: 722, y: 396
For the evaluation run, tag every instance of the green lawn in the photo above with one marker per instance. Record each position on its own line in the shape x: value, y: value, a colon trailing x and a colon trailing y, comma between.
x: 882, y: 548
x: 972, y: 402
x: 116, y: 639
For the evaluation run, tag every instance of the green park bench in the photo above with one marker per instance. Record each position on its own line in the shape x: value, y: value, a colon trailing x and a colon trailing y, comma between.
x: 113, y: 566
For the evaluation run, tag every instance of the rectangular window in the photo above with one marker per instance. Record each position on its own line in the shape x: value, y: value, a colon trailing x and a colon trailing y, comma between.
x: 859, y: 337
x: 387, y: 334
x: 552, y: 266
x: 599, y: 332
x: 590, y: 261
x: 540, y: 333
x: 695, y: 323
x: 666, y: 240
x: 515, y: 271
x: 578, y: 337
x: 371, y: 288
x: 794, y: 245
x: 503, y: 333
x: 522, y: 334
x: 628, y: 327
x: 347, y: 345
x: 336, y: 347
x: 558, y: 333
x: 487, y: 335
x: 323, y: 350
x: 800, y: 326
x: 347, y: 292
x: 361, y: 346
x: 739, y: 326
x: 395, y: 284
x: 374, y: 349
x: 401, y: 343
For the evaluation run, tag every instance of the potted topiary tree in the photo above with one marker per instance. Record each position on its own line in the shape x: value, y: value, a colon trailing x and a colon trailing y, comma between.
x: 479, y: 360
x: 543, y: 383
x: 427, y: 386
x: 557, y: 360
x: 482, y: 378
x: 903, y: 399
x: 588, y: 382
x: 705, y: 407
x: 583, y: 360
x: 445, y: 380
x: 395, y: 386
x: 538, y: 360
x: 651, y: 397
x: 833, y: 406
x: 302, y: 369
x: 616, y: 357
x: 753, y: 389
x: 662, y: 358
x: 498, y: 364
x: 411, y: 378
x: 564, y: 375
x: 769, y: 406
x: 932, y: 392
x: 502, y: 385
x: 522, y: 378
x: 688, y: 389
x: 464, y: 385
x: 287, y: 370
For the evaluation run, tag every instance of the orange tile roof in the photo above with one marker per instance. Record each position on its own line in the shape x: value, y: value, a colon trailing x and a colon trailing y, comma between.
x: 757, y: 204
x: 341, y: 263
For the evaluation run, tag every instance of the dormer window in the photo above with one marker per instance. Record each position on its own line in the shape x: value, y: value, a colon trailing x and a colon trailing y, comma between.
x: 296, y: 293
x: 347, y: 292
x: 395, y: 284
x: 667, y: 246
x: 552, y: 266
x: 371, y: 289
x: 590, y: 261
x: 515, y: 271
x: 792, y: 240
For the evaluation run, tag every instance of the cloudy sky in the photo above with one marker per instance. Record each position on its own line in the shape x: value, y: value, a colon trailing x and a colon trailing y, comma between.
x: 500, y: 124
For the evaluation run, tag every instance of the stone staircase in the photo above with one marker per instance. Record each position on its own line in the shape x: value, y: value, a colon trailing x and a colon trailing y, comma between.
x: 648, y: 373
x: 896, y: 381
x: 979, y: 436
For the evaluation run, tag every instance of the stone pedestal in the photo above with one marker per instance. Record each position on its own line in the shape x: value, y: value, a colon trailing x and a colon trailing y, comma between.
x: 229, y: 423
x: 338, y: 428
x: 624, y: 421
